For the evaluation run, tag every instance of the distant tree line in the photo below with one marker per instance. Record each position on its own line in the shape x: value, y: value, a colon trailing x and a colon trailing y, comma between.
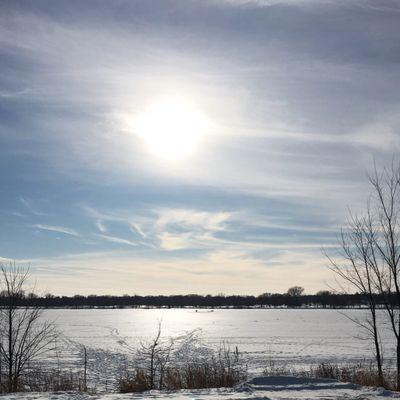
x: 293, y: 298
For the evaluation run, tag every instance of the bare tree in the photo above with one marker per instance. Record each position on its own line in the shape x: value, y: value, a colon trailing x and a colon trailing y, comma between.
x: 371, y: 251
x: 156, y: 355
x: 24, y: 335
x: 356, y: 267
x: 386, y: 245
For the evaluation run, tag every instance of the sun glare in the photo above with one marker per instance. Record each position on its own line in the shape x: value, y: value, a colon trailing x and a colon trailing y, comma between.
x: 172, y: 128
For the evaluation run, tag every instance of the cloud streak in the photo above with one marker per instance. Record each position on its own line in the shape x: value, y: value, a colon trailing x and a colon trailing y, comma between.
x: 115, y: 239
x: 57, y: 229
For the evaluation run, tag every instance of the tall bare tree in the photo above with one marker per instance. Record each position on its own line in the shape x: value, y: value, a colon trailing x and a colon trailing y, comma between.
x: 370, y: 248
x: 24, y: 335
x: 386, y: 245
x: 355, y: 267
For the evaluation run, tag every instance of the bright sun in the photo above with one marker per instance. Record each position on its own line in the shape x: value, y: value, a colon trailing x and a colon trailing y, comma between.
x: 172, y: 128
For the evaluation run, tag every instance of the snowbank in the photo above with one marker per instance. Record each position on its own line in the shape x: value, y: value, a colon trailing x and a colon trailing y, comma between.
x: 272, y: 388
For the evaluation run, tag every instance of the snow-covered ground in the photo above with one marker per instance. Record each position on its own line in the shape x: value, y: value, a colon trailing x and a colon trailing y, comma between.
x: 294, y: 338
x: 273, y: 388
x: 298, y: 336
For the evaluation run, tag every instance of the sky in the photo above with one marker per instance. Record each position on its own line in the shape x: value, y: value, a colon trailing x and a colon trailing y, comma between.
x: 210, y: 146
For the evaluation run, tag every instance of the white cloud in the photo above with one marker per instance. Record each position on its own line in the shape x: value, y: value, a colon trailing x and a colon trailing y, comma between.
x: 100, y: 226
x: 115, y: 239
x: 210, y: 221
x: 196, y: 229
x: 58, y: 229
x: 176, y: 242
x: 136, y: 228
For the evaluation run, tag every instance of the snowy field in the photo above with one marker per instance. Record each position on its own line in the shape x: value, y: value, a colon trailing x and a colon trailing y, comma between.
x: 297, y: 338
x: 272, y: 388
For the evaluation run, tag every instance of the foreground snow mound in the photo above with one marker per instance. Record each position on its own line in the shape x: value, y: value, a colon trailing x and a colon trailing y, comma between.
x: 266, y: 387
x: 289, y: 387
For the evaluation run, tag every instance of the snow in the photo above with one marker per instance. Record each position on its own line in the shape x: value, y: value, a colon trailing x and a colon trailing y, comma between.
x: 268, y: 388
x: 297, y: 338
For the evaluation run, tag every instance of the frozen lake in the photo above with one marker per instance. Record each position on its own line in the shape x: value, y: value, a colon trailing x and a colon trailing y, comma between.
x: 283, y: 336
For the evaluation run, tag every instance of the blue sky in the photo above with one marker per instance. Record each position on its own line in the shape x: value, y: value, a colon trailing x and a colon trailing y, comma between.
x: 299, y: 98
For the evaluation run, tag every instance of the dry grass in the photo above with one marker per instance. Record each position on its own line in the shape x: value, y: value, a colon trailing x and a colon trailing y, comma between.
x: 361, y: 374
x: 134, y: 382
x: 49, y: 381
x: 222, y: 370
x: 39, y: 380
x: 188, y: 376
x: 274, y: 369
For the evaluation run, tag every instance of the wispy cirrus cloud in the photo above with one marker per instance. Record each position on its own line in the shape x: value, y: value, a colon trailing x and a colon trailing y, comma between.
x: 115, y: 239
x: 175, y: 229
x: 57, y: 229
x: 213, y: 221
x: 28, y: 205
x: 100, y: 226
x: 180, y: 229
x: 136, y: 228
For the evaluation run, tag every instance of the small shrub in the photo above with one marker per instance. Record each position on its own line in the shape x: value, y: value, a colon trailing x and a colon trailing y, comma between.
x: 135, y: 382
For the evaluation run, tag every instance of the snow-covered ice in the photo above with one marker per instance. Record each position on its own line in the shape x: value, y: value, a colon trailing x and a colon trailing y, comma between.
x: 267, y: 388
x: 294, y: 338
